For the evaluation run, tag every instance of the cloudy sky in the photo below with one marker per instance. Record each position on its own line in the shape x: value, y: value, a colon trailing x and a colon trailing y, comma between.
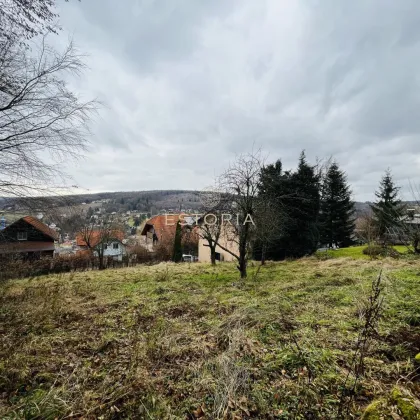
x: 188, y: 85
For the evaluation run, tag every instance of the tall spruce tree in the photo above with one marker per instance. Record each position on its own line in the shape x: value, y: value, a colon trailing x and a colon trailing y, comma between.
x: 177, y: 252
x: 388, y: 209
x: 336, y: 221
x: 298, y: 200
x: 303, y: 237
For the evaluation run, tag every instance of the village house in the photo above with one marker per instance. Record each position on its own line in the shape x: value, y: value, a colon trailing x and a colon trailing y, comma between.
x: 29, y: 238
x: 114, y: 244
x: 227, y: 240
x: 161, y: 229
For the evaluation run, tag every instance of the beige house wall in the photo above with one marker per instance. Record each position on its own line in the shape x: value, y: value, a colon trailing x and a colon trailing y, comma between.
x: 204, y: 250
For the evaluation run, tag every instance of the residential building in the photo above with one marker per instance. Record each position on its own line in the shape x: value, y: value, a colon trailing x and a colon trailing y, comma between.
x: 227, y: 240
x: 161, y: 230
x: 28, y: 237
x: 113, y: 243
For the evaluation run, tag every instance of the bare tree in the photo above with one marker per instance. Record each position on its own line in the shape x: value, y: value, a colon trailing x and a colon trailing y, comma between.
x: 239, y: 184
x: 210, y: 230
x: 25, y: 19
x: 42, y: 123
x: 366, y: 228
x: 97, y: 236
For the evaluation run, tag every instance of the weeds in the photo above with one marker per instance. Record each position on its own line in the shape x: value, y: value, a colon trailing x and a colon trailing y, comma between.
x: 370, y: 317
x: 179, y: 341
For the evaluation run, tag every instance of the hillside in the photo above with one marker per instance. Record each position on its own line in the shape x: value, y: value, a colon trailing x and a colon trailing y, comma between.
x: 188, y: 341
x: 121, y: 201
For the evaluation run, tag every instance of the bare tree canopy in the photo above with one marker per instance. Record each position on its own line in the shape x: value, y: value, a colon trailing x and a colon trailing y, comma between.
x: 42, y: 122
x: 26, y: 18
x: 240, y: 186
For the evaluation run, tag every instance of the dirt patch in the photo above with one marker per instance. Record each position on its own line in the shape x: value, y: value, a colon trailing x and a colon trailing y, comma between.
x: 187, y: 311
x: 409, y: 337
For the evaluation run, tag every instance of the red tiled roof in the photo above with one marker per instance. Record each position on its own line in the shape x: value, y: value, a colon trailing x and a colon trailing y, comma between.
x: 165, y: 226
x: 95, y: 237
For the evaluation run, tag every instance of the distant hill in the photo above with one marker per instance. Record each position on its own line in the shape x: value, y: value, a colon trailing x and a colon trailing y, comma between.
x: 142, y: 201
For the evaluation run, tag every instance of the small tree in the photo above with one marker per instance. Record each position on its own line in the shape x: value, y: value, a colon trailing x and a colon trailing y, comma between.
x: 98, y: 236
x: 177, y: 252
x: 337, y: 209
x: 388, y: 209
x: 239, y: 184
x: 210, y: 230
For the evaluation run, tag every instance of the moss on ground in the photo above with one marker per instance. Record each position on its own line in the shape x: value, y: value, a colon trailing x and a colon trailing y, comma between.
x: 191, y: 340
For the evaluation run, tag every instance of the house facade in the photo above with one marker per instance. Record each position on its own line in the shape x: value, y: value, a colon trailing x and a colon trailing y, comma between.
x: 29, y: 238
x: 113, y: 244
x: 227, y: 240
x: 161, y: 229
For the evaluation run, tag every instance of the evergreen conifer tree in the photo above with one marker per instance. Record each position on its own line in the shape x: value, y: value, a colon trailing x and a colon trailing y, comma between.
x: 177, y: 252
x: 388, y: 209
x: 301, y: 205
x: 336, y: 220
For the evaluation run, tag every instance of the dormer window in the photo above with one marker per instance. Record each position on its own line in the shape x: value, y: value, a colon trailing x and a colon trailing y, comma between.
x: 115, y: 245
x: 22, y: 236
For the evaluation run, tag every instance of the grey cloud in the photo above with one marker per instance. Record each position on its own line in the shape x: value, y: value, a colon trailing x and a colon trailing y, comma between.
x: 190, y: 84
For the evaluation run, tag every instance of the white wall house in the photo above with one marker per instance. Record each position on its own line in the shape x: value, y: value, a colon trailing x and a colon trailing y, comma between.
x: 115, y: 249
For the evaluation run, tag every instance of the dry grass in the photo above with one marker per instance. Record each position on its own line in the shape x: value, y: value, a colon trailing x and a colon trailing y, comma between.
x: 185, y: 341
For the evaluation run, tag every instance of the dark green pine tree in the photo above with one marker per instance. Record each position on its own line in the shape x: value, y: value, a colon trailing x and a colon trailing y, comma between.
x: 302, y: 235
x: 388, y: 209
x: 336, y: 221
x: 177, y: 252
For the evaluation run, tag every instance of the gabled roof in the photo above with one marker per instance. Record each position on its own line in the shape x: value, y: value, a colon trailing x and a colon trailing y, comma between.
x: 38, y: 225
x: 42, y: 227
x: 96, y: 236
x: 163, y: 224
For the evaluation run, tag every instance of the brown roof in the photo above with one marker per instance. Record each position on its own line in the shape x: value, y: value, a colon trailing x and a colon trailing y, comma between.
x: 164, y: 226
x: 38, y: 225
x: 95, y: 237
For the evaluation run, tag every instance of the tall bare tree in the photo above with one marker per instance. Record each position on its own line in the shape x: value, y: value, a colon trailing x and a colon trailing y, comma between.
x: 240, y: 187
x: 42, y: 122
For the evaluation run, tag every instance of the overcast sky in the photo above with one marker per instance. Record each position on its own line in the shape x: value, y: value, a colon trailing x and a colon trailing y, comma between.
x: 187, y: 85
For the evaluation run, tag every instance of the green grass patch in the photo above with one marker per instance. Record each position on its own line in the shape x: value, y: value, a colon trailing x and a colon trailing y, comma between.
x: 193, y: 341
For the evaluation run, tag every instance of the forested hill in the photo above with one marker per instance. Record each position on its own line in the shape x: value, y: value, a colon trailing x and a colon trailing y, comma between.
x: 144, y: 201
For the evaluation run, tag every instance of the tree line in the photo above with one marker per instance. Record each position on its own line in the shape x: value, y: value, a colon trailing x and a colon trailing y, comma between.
x: 294, y: 212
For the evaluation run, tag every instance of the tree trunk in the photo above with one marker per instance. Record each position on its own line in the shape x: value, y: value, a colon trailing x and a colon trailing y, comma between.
x: 242, y: 266
x: 416, y: 246
x: 213, y: 255
x: 263, y: 252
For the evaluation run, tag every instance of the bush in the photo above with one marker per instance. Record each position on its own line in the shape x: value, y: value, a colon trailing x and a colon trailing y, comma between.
x: 375, y: 250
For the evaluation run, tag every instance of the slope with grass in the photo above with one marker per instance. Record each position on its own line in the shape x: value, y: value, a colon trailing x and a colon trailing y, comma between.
x: 189, y: 341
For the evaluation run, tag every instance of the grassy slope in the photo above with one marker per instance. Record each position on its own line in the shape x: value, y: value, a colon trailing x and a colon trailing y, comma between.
x: 357, y: 252
x: 168, y: 340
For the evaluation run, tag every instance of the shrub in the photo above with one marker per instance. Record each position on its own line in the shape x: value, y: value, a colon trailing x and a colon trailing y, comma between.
x: 375, y: 250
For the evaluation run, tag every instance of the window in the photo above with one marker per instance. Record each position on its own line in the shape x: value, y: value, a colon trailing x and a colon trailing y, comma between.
x: 22, y: 236
x: 115, y: 245
x: 106, y: 246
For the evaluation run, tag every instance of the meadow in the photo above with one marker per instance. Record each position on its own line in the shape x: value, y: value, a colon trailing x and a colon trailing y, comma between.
x: 187, y: 341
